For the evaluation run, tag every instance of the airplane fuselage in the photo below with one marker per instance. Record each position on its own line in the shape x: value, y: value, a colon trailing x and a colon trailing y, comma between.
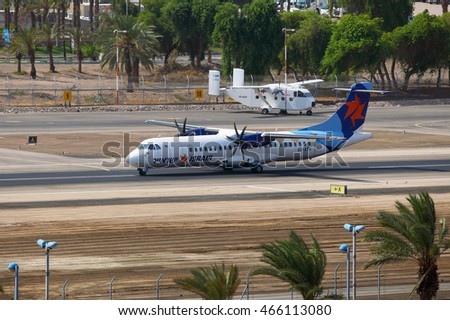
x: 279, y: 98
x: 219, y: 151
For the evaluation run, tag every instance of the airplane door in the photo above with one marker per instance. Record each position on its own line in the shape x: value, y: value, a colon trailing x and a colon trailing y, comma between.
x: 298, y: 100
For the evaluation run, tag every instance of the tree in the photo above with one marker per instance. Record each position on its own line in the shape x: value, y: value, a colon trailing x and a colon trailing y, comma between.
x: 354, y: 45
x: 444, y: 4
x: 212, y: 283
x: 394, y: 13
x: 307, y: 46
x: 138, y: 45
x: 421, y: 45
x: 152, y: 15
x: 262, y: 36
x: 412, y: 235
x: 193, y: 22
x: 49, y: 34
x: 26, y: 40
x: 226, y: 33
x: 77, y: 35
x: 7, y: 13
x: 292, y: 261
x: 251, y: 38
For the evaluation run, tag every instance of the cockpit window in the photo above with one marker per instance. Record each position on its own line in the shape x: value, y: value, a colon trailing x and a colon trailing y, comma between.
x: 149, y: 146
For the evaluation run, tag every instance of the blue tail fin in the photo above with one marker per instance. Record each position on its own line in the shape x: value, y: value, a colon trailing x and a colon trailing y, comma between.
x: 351, y: 115
x: 348, y: 119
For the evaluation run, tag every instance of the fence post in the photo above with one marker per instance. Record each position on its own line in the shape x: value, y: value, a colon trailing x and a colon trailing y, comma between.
x: 63, y: 292
x: 336, y: 85
x: 78, y: 91
x: 379, y: 281
x: 111, y: 288
x: 335, y: 279
x: 157, y: 285
x: 8, y: 88
x: 188, y: 86
x: 247, y: 286
x: 54, y: 88
x: 32, y: 91
x: 165, y: 88
x: 142, y: 88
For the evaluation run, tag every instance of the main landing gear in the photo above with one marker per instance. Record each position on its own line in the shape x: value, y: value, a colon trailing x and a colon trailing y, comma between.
x: 257, y: 169
x: 142, y: 171
x: 308, y: 112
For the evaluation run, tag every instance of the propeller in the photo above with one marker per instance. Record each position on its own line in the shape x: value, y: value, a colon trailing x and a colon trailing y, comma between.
x: 239, y: 140
x: 181, y: 130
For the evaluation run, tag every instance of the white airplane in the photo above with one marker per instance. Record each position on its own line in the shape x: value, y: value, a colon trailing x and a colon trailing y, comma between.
x: 197, y: 146
x: 275, y: 97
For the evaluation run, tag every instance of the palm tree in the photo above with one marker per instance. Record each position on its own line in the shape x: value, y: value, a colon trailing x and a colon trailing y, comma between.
x: 412, y: 235
x: 7, y: 13
x: 78, y: 37
x: 137, y: 43
x: 50, y: 33
x: 26, y: 40
x: 212, y: 283
x: 293, y: 262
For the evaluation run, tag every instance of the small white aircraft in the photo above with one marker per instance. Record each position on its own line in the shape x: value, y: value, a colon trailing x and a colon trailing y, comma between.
x: 275, y: 97
x: 196, y: 146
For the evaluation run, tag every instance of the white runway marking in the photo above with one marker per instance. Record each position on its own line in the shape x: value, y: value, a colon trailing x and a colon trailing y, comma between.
x: 270, y: 188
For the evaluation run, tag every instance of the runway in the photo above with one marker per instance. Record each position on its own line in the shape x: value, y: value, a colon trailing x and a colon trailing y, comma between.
x: 107, y: 218
x: 418, y: 118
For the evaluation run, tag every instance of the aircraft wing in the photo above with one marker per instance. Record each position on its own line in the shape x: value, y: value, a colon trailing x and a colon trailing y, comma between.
x: 303, y: 135
x: 302, y: 83
x: 186, y: 126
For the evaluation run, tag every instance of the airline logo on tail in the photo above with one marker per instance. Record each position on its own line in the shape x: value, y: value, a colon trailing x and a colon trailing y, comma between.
x: 355, y: 110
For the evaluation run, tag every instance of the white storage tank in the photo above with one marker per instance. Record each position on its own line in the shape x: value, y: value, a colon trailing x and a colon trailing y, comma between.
x: 214, y: 83
x: 238, y: 77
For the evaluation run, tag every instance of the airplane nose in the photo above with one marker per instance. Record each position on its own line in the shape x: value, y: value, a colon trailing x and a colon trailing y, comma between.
x: 132, y: 158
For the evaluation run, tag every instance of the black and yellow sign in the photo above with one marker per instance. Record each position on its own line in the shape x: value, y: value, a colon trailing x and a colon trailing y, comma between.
x: 67, y: 95
x: 338, y: 189
x: 199, y: 94
x: 32, y: 139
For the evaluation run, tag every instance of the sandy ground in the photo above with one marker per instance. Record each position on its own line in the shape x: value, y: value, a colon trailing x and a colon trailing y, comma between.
x: 136, y: 243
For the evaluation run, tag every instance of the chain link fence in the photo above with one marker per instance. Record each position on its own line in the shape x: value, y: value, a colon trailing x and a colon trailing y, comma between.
x: 69, y: 91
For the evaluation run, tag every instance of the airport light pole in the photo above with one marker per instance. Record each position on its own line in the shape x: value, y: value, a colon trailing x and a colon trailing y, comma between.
x: 14, y: 267
x: 346, y: 249
x: 354, y: 230
x: 117, y: 63
x: 47, y: 246
x: 285, y: 53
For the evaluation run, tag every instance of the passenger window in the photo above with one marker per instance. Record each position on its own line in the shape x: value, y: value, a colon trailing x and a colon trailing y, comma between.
x: 295, y: 94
